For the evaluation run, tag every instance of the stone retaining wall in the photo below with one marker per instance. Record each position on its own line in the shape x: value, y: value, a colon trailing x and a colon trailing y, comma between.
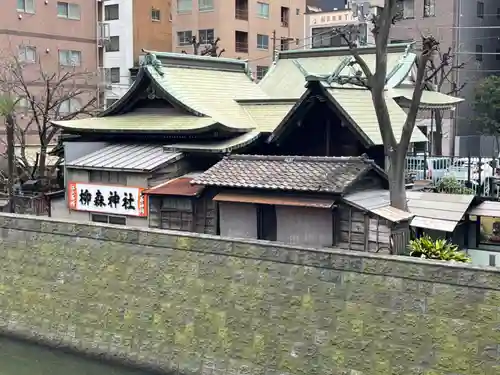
x: 204, y: 305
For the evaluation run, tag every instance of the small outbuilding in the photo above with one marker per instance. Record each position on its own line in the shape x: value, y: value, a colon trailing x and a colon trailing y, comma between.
x: 300, y: 200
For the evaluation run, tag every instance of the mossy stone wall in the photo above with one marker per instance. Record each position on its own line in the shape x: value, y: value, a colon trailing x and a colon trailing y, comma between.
x: 197, y: 304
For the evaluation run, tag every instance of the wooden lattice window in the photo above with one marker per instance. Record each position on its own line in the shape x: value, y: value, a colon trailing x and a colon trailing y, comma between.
x: 177, y: 214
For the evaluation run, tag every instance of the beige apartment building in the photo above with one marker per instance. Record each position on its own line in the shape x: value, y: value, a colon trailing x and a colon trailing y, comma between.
x: 248, y: 29
x: 53, y: 37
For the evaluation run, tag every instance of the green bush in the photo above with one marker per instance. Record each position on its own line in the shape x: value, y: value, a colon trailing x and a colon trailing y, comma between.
x: 427, y: 248
x: 451, y: 185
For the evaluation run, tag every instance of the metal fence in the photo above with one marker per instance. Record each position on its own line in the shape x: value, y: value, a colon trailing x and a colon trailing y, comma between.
x: 460, y: 175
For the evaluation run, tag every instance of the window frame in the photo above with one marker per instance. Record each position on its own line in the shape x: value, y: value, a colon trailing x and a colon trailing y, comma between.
x: 263, y: 46
x: 185, y: 214
x: 479, y: 52
x: 69, y: 6
x: 25, y: 9
x: 207, y: 39
x: 113, y: 6
x: 22, y: 50
x: 185, y: 43
x: 480, y: 9
x: 154, y: 12
x: 70, y: 107
x: 108, y: 218
x: 113, y: 74
x: 107, y: 177
x: 185, y: 10
x: 206, y: 8
x: 69, y: 58
x: 109, y: 43
x: 429, y: 8
x: 260, y: 6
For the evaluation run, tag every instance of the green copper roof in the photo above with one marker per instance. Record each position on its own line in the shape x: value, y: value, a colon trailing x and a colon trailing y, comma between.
x: 212, y: 93
x: 286, y: 78
x: 357, y: 105
x: 430, y: 99
x: 215, y: 146
x: 142, y: 122
x: 267, y: 115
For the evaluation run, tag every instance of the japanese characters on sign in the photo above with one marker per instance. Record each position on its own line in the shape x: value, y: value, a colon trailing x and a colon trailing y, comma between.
x: 118, y: 200
x: 332, y: 18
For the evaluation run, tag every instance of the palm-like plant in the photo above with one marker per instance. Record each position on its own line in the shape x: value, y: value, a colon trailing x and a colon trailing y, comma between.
x: 427, y: 248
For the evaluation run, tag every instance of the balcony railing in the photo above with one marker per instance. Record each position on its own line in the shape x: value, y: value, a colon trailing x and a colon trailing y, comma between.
x: 241, y: 14
x: 241, y: 47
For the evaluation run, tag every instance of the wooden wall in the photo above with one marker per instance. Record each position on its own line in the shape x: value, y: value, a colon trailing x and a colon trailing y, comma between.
x: 362, y: 231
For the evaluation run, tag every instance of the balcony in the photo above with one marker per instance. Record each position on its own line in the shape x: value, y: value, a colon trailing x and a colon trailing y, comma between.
x: 102, y: 33
x: 241, y: 10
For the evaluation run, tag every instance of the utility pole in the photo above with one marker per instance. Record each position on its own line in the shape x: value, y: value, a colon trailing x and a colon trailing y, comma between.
x: 274, y: 45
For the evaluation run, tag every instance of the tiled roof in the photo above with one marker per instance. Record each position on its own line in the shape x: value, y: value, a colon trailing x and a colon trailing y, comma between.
x: 287, y: 173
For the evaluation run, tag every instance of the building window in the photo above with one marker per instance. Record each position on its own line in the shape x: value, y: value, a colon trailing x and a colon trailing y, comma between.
x: 429, y: 8
x: 241, y: 9
x: 206, y: 36
x: 110, y: 102
x: 113, y: 44
x: 480, y: 9
x: 241, y: 41
x: 27, y: 54
x: 71, y: 105
x: 70, y: 58
x: 68, y: 10
x: 184, y: 6
x: 184, y: 38
x: 177, y: 214
x: 205, y: 5
x: 155, y: 14
x: 107, y: 177
x: 323, y: 37
x: 261, y: 71
x: 262, y: 41
x: 479, y: 52
x: 297, y: 12
x: 263, y: 10
x: 285, y: 16
x: 114, y: 75
x: 408, y: 8
x: 109, y: 219
x: 26, y: 6
x: 111, y: 12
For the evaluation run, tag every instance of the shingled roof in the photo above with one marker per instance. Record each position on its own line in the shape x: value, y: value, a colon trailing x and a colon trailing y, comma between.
x: 287, y: 173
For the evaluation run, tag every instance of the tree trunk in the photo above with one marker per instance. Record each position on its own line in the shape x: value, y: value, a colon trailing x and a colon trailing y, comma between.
x: 42, y: 165
x: 397, y: 181
x: 9, y: 119
x: 437, y: 137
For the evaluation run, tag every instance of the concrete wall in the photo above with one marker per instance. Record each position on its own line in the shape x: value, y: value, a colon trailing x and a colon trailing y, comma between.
x: 202, y: 304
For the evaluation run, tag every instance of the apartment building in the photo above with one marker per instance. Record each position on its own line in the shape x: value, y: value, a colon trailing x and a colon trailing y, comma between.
x: 471, y: 28
x: 125, y: 28
x: 248, y: 29
x: 51, y: 36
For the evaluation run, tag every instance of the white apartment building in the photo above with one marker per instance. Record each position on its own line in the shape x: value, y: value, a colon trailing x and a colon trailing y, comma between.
x: 125, y: 27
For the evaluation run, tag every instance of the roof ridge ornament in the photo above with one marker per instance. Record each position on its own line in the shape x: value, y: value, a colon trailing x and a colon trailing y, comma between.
x: 150, y: 59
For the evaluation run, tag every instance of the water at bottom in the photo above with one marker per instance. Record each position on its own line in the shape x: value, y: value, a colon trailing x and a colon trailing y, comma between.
x: 20, y: 358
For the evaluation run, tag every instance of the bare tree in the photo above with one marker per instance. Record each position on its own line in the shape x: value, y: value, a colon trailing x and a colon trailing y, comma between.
x: 440, y: 74
x: 41, y: 98
x: 7, y: 108
x: 395, y: 150
x: 211, y: 49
